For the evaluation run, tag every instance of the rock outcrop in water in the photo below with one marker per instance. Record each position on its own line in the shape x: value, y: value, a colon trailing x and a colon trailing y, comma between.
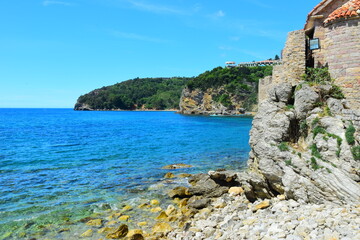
x: 304, y: 146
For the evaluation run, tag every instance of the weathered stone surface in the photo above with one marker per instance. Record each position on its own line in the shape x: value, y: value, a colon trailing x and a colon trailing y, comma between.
x: 137, y: 236
x: 162, y: 216
x: 184, y: 175
x: 154, y: 202
x: 305, y: 100
x: 95, y: 223
x: 124, y: 218
x: 156, y: 209
x: 286, y: 219
x: 281, y: 92
x: 201, y: 103
x: 311, y: 167
x: 200, y: 203
x: 120, y: 232
x: 87, y: 233
x: 161, y: 228
x: 262, y: 205
x: 170, y: 210
x: 180, y: 192
x: 204, y: 185
x: 234, y: 191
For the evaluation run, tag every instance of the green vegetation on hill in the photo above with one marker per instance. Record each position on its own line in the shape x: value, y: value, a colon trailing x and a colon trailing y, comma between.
x: 234, y: 79
x: 238, y: 82
x: 165, y: 93
x: 151, y: 93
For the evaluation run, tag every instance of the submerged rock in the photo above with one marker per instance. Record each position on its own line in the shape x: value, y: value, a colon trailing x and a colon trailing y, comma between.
x: 120, y: 232
x: 169, y: 175
x: 180, y: 192
x: 95, y: 223
x: 162, y: 228
x: 87, y: 233
x: 177, y: 166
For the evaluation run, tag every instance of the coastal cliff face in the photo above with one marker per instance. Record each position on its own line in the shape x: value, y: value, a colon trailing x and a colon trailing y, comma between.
x: 305, y: 145
x: 216, y: 101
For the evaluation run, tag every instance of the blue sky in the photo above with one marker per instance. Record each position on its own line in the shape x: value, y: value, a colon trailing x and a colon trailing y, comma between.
x: 53, y: 51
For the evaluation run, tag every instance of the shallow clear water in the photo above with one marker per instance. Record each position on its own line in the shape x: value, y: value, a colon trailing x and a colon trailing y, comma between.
x: 59, y: 165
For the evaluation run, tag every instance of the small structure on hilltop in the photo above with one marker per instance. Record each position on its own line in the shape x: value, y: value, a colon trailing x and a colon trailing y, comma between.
x: 230, y: 64
x: 260, y: 63
x: 330, y: 38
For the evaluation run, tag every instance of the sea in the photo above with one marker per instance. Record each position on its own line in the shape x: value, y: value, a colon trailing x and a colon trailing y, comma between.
x: 60, y: 167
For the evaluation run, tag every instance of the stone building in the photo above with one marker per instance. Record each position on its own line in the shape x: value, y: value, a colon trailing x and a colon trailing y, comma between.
x: 331, y: 38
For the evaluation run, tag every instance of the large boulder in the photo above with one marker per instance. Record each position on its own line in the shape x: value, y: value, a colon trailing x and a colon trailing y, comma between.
x: 305, y: 100
x: 281, y: 93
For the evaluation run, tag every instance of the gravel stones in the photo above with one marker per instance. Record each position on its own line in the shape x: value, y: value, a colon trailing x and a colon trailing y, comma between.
x: 300, y: 221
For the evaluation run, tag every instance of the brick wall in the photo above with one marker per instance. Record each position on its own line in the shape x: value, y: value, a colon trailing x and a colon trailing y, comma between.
x: 342, y: 54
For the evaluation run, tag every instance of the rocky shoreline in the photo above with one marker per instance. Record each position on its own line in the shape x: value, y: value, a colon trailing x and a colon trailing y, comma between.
x: 234, y: 217
x: 302, y: 180
x: 214, y: 206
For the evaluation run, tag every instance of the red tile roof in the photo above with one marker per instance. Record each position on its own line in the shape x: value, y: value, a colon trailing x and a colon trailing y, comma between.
x: 349, y: 9
x: 320, y: 6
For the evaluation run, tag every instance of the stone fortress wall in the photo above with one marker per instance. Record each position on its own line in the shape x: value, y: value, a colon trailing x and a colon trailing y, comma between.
x: 294, y: 64
x: 340, y: 52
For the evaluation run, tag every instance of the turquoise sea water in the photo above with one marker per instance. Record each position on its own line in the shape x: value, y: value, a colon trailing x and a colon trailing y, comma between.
x: 59, y: 165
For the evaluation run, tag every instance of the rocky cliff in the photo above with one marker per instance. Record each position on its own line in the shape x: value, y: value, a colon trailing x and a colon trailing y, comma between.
x: 224, y: 91
x: 215, y: 101
x: 304, y: 146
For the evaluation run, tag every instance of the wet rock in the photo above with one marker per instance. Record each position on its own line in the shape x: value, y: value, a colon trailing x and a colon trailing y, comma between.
x: 124, y: 218
x: 180, y: 192
x: 224, y: 177
x: 120, y: 232
x: 133, y: 232
x: 126, y: 208
x: 110, y: 223
x: 137, y: 236
x: 177, y: 166
x: 183, y: 202
x: 170, y: 210
x: 154, y: 202
x: 144, y: 205
x: 95, y: 223
x: 105, y: 230
x: 184, y: 175
x: 162, y: 216
x: 169, y: 175
x: 141, y: 224
x: 156, y: 209
x: 161, y: 228
x: 87, y: 233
